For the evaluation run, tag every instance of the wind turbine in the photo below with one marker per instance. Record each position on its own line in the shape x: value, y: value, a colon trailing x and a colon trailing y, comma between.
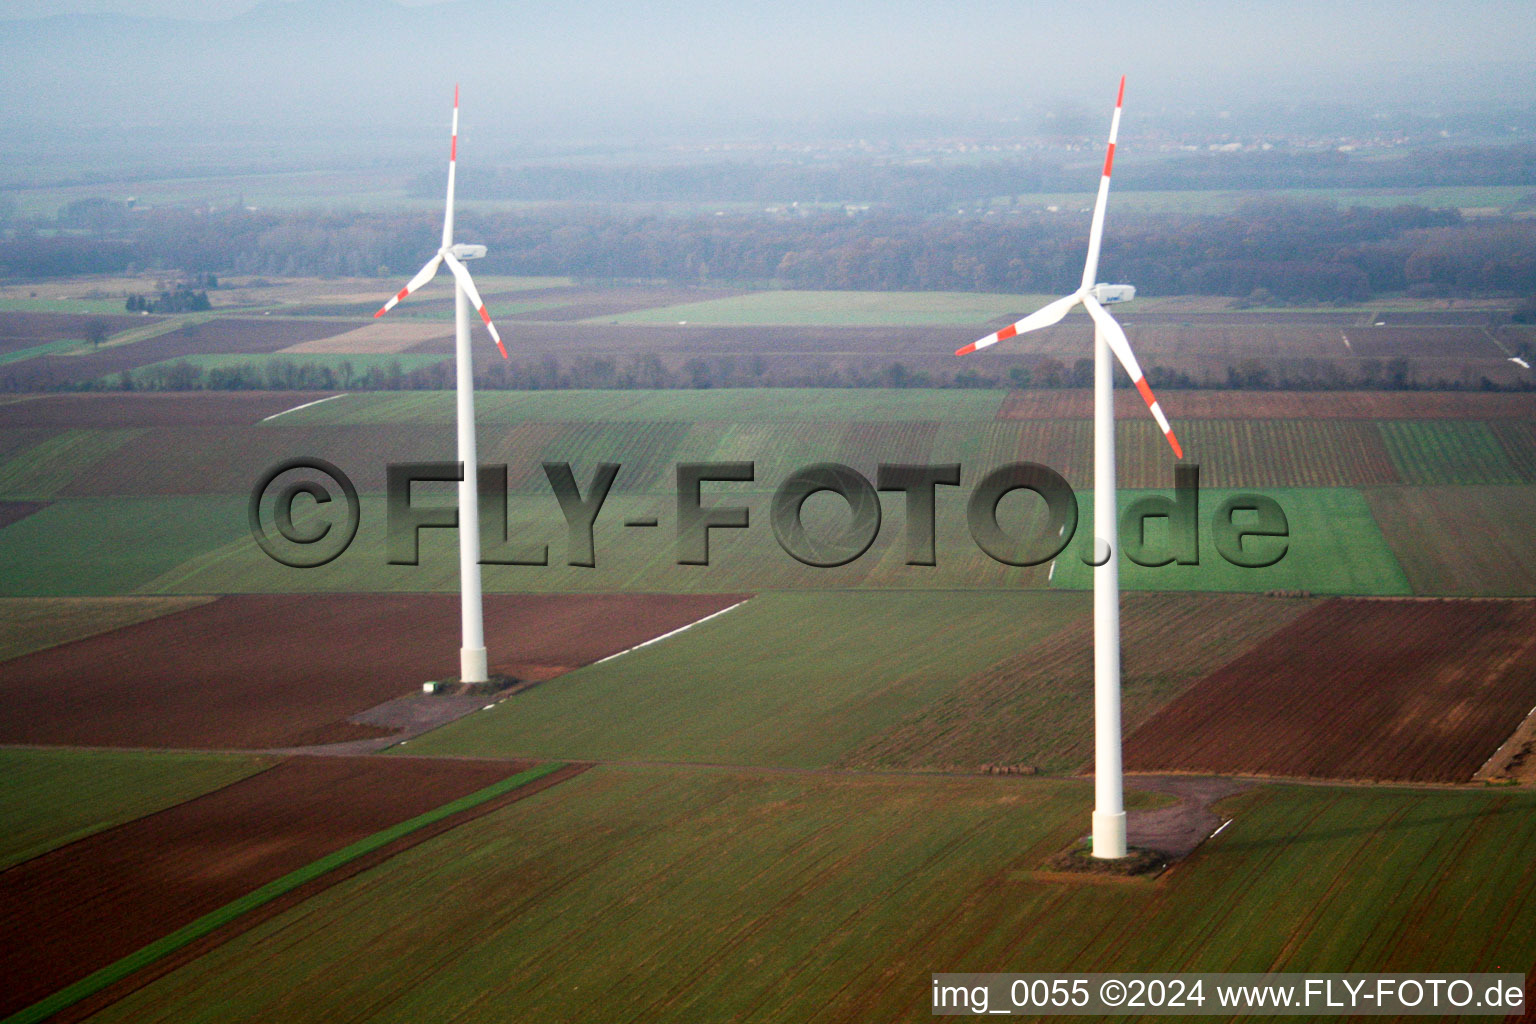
x: 472, y: 658
x: 1109, y: 801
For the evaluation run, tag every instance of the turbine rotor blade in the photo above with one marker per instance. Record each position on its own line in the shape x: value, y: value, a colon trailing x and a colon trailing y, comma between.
x: 1045, y: 316
x: 422, y: 277
x: 1114, y: 334
x: 466, y: 282
x: 1096, y: 231
x: 453, y: 159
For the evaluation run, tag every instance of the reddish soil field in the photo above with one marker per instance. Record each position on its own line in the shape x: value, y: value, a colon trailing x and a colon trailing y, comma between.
x: 15, y: 511
x: 158, y: 409
x: 269, y: 671
x: 1407, y: 690
x: 1223, y: 342
x: 1249, y: 318
x: 26, y: 330
x: 224, y: 335
x: 83, y: 906
x: 1491, y: 555
x: 1421, y: 342
x: 1269, y: 405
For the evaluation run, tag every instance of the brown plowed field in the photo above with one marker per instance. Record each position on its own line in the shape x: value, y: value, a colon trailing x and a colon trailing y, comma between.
x: 1470, y: 540
x: 1271, y: 405
x: 266, y: 671
x: 26, y: 330
x: 221, y: 336
x: 1422, y: 342
x: 157, y: 409
x: 15, y: 511
x: 1418, y: 691
x: 83, y: 906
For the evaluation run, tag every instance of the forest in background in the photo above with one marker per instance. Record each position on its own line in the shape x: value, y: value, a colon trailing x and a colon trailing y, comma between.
x: 861, y: 224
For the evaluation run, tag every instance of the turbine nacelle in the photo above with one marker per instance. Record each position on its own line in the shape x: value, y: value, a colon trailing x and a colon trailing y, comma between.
x: 465, y: 251
x: 1108, y: 294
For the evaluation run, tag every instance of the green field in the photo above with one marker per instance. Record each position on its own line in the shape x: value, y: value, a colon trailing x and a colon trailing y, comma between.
x: 52, y: 797
x: 15, y: 305
x: 39, y: 470
x: 809, y: 676
x: 627, y: 559
x: 927, y: 681
x: 103, y: 546
x: 1334, y: 547
x: 665, y: 894
x: 199, y: 545
x: 51, y: 348
x: 721, y: 404
x: 432, y: 306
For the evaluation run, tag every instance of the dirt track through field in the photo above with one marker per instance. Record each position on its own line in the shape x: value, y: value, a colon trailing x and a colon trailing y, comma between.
x: 81, y: 907
x: 1178, y: 829
x: 268, y: 671
x: 1401, y: 690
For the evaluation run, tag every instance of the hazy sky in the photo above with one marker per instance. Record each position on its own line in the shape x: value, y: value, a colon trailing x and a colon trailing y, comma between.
x: 200, y: 10
x: 537, y: 71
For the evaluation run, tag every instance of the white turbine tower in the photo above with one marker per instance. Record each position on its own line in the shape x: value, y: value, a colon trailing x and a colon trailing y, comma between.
x: 473, y: 667
x: 1109, y: 805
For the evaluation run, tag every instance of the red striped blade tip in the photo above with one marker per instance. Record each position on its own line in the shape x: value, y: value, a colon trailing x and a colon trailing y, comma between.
x: 1119, y: 99
x: 967, y: 350
x: 1178, y: 451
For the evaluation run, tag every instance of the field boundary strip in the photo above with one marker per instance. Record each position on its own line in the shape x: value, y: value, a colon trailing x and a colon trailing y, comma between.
x: 679, y: 629
x: 296, y: 408
x: 211, y: 922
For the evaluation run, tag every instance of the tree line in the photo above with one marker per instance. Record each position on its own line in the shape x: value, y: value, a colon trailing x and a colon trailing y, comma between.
x: 649, y: 372
x: 179, y: 300
x: 1291, y: 251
